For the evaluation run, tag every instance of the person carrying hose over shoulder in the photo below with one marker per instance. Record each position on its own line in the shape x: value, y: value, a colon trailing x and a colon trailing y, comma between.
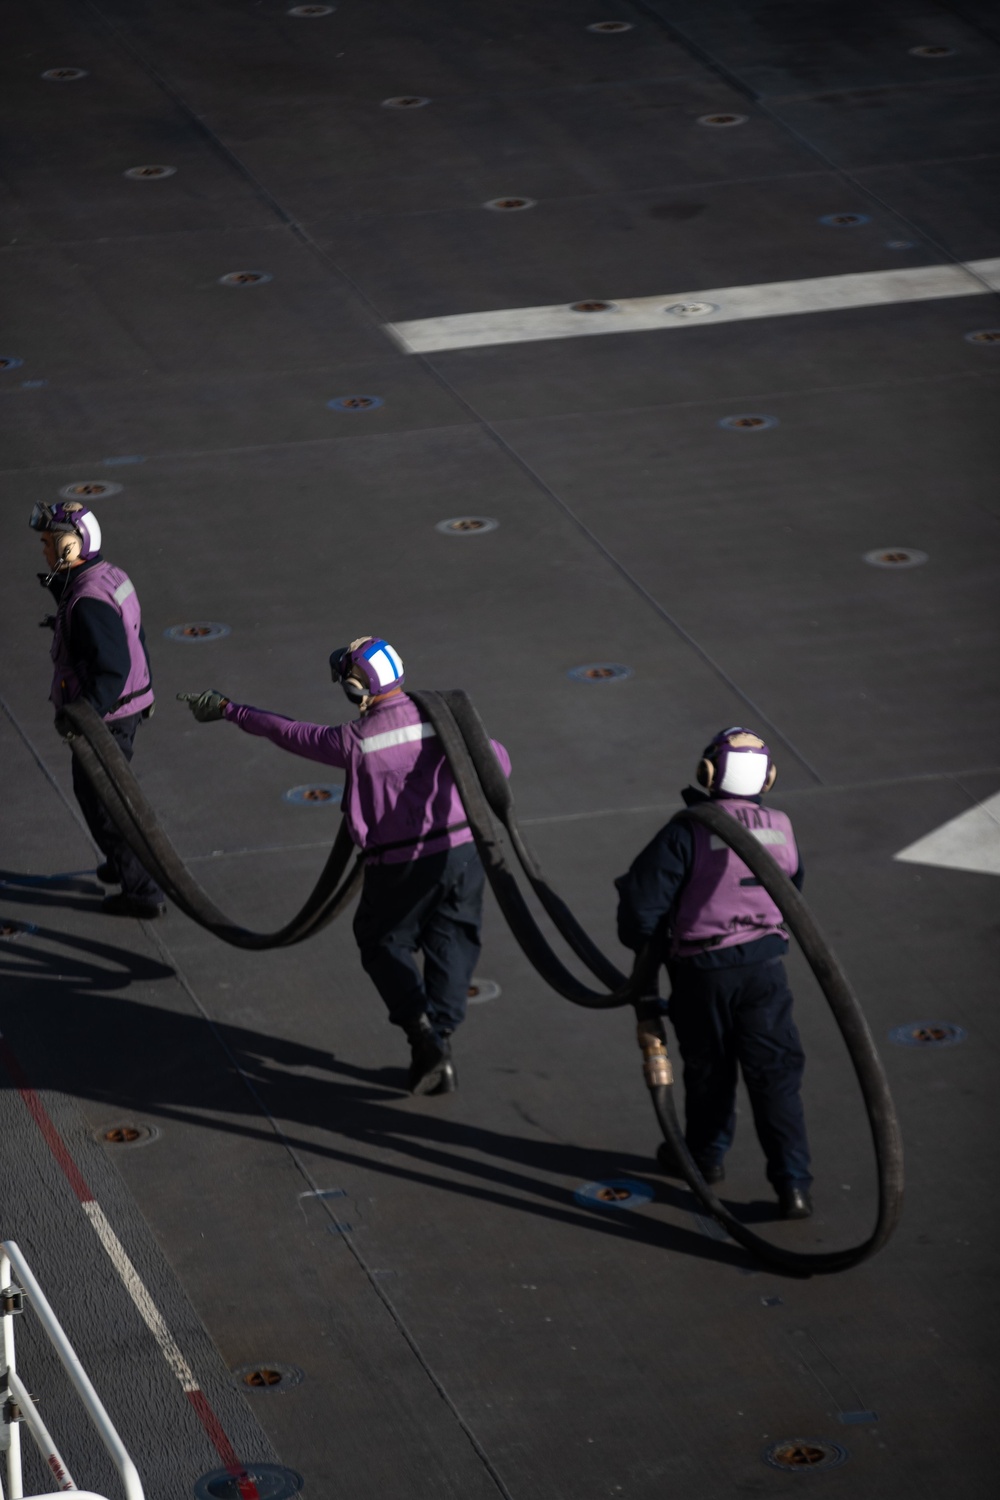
x: 98, y: 654
x: 724, y: 941
x: 423, y: 881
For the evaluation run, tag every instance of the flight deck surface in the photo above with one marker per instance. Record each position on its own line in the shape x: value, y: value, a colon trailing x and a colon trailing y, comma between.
x: 697, y: 313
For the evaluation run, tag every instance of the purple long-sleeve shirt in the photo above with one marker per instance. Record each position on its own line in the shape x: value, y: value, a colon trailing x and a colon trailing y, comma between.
x: 398, y: 788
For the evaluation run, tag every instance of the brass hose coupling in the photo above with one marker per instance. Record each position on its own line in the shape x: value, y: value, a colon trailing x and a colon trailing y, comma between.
x: 655, y: 1062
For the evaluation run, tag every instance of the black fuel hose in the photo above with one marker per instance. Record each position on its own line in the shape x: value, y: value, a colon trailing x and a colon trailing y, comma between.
x: 485, y: 791
x: 111, y: 777
x: 861, y: 1048
x: 489, y: 806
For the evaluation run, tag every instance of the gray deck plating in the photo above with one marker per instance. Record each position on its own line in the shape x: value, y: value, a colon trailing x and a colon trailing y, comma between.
x: 464, y: 1325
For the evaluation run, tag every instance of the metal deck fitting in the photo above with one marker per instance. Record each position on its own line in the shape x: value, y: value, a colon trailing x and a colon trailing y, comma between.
x: 895, y: 557
x: 196, y: 632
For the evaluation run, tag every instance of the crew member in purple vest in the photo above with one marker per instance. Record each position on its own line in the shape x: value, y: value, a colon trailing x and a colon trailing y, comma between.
x: 423, y: 885
x: 98, y: 654
x: 723, y: 939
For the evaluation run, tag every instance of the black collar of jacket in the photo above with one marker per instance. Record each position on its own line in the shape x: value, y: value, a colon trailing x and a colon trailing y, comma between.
x: 60, y: 581
x: 692, y: 795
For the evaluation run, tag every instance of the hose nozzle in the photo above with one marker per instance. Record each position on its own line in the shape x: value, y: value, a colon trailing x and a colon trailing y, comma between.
x: 655, y: 1061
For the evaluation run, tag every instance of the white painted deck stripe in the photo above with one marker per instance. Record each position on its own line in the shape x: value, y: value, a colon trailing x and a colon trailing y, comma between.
x: 969, y: 842
x: 134, y: 1285
x: 727, y: 304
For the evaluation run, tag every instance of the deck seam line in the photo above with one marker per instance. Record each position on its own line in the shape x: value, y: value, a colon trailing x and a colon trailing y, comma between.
x: 29, y: 745
x: 681, y: 38
x: 347, y: 1239
x: 512, y: 454
x: 476, y: 421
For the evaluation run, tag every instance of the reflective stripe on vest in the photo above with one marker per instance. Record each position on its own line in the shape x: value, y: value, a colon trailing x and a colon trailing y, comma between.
x: 390, y: 737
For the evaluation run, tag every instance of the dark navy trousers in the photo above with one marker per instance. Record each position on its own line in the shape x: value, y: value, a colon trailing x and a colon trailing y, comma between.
x: 741, y: 1018
x: 135, y: 878
x: 434, y: 906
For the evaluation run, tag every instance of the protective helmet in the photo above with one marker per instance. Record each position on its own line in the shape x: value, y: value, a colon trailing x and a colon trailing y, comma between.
x: 740, y: 769
x: 72, y: 518
x: 367, y: 667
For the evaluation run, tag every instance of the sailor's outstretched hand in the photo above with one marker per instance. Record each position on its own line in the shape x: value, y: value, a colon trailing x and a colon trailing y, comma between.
x: 205, y: 706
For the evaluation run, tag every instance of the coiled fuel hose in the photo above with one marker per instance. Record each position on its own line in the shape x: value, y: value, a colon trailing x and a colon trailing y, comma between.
x: 111, y: 777
x: 489, y: 806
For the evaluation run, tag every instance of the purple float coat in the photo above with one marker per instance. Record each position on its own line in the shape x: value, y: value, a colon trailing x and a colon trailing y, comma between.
x: 109, y: 585
x: 398, y: 788
x: 722, y: 904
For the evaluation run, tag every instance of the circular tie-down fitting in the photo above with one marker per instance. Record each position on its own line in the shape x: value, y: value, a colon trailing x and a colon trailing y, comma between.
x: 11, y: 931
x: 466, y: 525
x: 10, y: 362
x: 244, y: 278
x: 482, y: 990
x: 593, y: 305
x: 895, y: 557
x: 691, y: 309
x: 844, y: 221
x: 64, y: 75
x: 405, y: 101
x: 308, y: 11
x: 509, y: 205
x: 142, y: 174
x: 127, y: 1133
x: 722, y: 120
x: 927, y: 1034
x: 355, y: 403
x: 90, y: 489
x: 618, y: 1192
x: 316, y: 794
x: 197, y: 630
x: 748, y: 422
x: 799, y: 1455
x: 933, y: 49
x: 268, y: 1376
x: 900, y: 245
x: 271, y: 1482
x: 600, y: 671
x: 610, y: 28
x: 980, y: 336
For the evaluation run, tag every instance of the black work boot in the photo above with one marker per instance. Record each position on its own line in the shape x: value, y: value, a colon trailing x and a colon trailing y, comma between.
x: 448, y: 1081
x: 794, y: 1201
x: 430, y: 1059
x: 711, y: 1171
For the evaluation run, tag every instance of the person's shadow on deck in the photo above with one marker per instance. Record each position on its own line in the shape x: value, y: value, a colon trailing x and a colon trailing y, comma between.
x: 71, y: 1032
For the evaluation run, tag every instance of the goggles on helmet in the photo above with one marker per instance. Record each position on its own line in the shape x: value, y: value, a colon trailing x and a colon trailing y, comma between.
x: 43, y: 518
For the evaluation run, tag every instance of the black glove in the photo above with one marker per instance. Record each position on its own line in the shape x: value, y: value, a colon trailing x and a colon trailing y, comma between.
x: 64, y: 728
x: 47, y: 623
x: 205, y: 706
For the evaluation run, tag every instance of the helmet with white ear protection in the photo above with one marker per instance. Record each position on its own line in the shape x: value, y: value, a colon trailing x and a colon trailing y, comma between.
x: 70, y: 519
x: 736, y: 763
x: 366, y: 668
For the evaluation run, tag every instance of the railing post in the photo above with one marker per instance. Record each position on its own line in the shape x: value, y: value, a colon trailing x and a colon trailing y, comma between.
x: 15, y: 1482
x: 92, y: 1403
x: 51, y: 1456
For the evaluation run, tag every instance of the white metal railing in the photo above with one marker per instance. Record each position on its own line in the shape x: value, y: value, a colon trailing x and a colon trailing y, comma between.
x: 14, y: 1395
